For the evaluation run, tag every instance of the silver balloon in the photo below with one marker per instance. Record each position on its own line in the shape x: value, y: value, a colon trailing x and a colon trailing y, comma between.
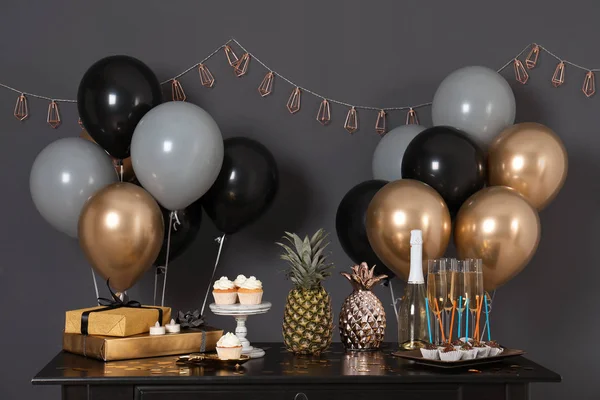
x: 177, y: 153
x: 64, y: 175
x: 476, y: 100
x: 387, y: 158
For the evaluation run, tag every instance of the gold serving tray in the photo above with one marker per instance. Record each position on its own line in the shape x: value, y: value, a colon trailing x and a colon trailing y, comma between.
x: 212, y: 359
x: 415, y: 355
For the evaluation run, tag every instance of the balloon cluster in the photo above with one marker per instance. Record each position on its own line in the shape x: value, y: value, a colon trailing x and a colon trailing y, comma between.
x: 172, y: 162
x: 439, y: 175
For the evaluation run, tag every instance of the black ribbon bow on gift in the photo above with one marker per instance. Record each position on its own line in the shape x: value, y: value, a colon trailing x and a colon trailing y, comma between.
x: 115, y: 303
x: 190, y: 319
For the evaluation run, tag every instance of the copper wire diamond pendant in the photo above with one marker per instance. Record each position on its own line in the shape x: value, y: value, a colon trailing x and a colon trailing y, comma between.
x: 240, y: 67
x: 532, y: 57
x: 589, y: 84
x: 266, y: 86
x: 351, y: 124
x: 293, y: 104
x: 521, y: 74
x: 206, y: 78
x: 559, y: 75
x: 21, y: 108
x: 324, y: 114
x: 411, y: 117
x: 53, y: 118
x: 177, y: 91
x: 231, y: 57
x: 380, y: 124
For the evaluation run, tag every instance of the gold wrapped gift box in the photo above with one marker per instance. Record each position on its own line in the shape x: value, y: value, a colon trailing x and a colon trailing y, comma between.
x: 121, y: 322
x: 108, y: 348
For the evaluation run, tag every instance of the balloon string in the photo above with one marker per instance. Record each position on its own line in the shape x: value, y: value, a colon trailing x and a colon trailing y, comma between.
x: 219, y: 240
x: 155, y: 284
x: 120, y: 165
x: 393, y: 299
x: 489, y: 312
x: 164, y: 289
x: 177, y: 221
x: 159, y: 270
x: 95, y: 284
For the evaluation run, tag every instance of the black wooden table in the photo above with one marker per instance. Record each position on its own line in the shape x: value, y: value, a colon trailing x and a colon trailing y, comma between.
x: 280, y: 375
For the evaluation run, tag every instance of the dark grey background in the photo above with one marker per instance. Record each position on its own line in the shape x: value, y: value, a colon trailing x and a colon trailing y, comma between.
x: 379, y: 53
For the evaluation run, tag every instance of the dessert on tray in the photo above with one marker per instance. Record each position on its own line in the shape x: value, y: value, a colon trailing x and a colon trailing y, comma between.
x: 229, y: 347
x: 482, y: 350
x: 239, y: 280
x: 247, y: 291
x: 467, y: 351
x: 250, y: 292
x: 495, y: 348
x: 430, y: 351
x: 224, y: 291
x: 449, y: 353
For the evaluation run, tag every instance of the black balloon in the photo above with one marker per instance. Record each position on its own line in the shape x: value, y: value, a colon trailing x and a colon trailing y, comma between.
x: 350, y: 225
x: 114, y: 94
x: 448, y: 161
x: 182, y: 233
x: 245, y: 187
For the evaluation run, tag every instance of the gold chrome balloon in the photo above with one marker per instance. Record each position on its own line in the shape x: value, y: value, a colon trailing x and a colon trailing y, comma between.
x: 121, y: 231
x: 396, y: 209
x: 128, y: 174
x: 531, y: 159
x: 501, y: 227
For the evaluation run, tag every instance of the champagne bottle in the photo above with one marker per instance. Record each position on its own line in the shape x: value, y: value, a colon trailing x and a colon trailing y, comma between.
x: 412, y: 314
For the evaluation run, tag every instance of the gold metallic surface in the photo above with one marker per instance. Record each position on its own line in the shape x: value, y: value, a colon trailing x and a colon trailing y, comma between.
x: 396, y: 209
x: 531, y: 159
x: 362, y: 317
x: 121, y: 322
x: 121, y: 231
x: 499, y: 226
x: 140, y: 346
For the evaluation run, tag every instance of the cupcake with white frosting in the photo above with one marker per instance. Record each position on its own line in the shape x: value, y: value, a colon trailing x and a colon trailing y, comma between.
x: 239, y: 281
x: 224, y: 291
x: 250, y: 292
x: 229, y: 347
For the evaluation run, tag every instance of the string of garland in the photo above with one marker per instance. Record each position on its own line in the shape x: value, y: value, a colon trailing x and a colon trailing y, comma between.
x: 240, y: 68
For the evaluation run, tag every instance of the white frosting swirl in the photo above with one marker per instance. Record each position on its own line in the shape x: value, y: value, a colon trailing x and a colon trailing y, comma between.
x: 251, y: 283
x: 229, y: 340
x: 223, y: 284
x: 239, y: 280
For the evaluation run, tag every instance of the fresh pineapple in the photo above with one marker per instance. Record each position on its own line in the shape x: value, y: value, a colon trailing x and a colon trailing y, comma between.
x: 362, y: 319
x: 308, y: 317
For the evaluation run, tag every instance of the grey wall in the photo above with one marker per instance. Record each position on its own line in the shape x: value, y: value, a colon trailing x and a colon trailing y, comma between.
x: 376, y: 52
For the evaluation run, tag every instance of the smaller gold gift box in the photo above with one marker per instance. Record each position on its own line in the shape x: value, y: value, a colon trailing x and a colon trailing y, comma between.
x: 115, y: 321
x: 108, y: 348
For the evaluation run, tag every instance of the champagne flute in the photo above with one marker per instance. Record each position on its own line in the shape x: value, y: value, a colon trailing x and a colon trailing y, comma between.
x: 448, y: 304
x: 458, y: 292
x: 473, y: 288
x: 436, y: 289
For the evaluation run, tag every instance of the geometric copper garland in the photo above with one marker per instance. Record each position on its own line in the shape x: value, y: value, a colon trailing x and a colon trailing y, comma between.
x: 240, y: 68
x: 324, y: 114
x: 21, y: 108
x: 53, y: 118
x: 380, y: 124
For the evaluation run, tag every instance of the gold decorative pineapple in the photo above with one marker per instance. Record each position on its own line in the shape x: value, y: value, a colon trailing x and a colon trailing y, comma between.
x: 308, y: 317
x: 362, y: 318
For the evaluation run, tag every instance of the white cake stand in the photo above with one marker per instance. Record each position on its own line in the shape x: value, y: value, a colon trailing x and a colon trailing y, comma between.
x: 241, y: 312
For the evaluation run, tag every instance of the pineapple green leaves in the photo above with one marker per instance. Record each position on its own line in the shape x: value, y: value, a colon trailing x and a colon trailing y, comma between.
x: 308, y: 264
